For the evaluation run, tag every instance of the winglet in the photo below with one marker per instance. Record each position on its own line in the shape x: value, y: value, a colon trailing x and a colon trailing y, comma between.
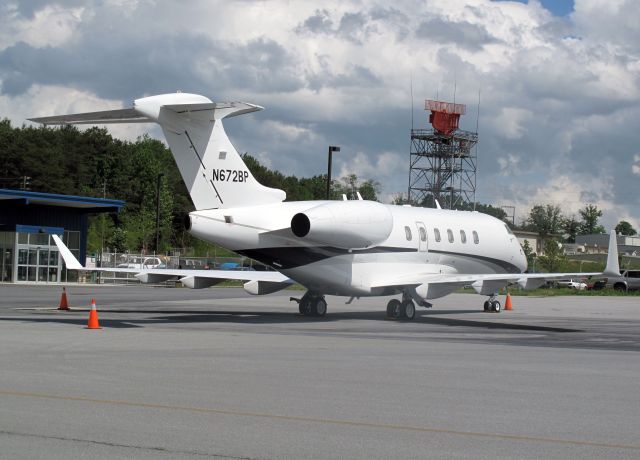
x: 612, y: 268
x: 67, y: 256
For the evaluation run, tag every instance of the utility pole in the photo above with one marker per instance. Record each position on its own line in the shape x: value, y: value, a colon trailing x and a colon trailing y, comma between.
x: 158, y: 211
x: 332, y: 148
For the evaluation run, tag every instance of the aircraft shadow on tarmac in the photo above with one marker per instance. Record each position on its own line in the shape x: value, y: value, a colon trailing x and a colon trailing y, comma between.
x: 177, y: 316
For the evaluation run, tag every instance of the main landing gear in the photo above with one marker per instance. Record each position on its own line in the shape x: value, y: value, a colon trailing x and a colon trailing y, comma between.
x: 311, y: 304
x: 492, y: 304
x: 401, y: 310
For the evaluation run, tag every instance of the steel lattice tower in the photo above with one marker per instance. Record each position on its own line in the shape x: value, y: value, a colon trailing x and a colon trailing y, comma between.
x: 443, y: 160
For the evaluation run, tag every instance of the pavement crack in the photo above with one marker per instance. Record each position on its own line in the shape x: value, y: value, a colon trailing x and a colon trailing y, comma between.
x: 126, y: 446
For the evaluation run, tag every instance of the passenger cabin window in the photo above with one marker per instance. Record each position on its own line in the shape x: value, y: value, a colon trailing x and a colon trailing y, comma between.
x: 476, y: 240
x: 450, y: 235
x: 423, y: 234
x: 463, y: 237
x: 407, y: 232
x: 436, y: 234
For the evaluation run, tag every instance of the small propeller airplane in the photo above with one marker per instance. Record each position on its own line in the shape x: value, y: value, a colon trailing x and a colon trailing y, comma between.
x: 351, y: 248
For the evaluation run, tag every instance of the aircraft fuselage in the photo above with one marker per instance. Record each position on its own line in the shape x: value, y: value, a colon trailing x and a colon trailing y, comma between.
x: 420, y: 240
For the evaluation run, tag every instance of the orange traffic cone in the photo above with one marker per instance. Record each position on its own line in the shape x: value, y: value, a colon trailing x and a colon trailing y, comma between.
x: 93, y: 317
x: 507, y: 303
x: 63, y: 301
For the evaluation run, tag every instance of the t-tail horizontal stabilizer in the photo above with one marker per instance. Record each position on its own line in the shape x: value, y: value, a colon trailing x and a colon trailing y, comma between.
x: 213, y: 171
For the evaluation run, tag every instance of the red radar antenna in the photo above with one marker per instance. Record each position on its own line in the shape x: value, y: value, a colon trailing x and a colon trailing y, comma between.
x: 444, y: 116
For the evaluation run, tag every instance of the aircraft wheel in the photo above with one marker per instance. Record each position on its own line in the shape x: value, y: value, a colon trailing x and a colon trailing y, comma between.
x: 407, y: 310
x: 305, y: 305
x: 487, y: 305
x: 320, y: 307
x: 495, y: 306
x: 393, y: 308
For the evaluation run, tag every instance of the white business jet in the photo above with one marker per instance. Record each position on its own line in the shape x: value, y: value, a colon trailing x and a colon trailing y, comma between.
x: 347, y: 248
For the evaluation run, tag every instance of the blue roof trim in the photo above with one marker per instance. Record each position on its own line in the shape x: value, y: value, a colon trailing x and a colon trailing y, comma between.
x: 70, y: 200
x: 39, y: 229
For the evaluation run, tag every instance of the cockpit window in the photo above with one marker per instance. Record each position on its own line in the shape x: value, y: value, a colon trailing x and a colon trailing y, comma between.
x: 508, y: 229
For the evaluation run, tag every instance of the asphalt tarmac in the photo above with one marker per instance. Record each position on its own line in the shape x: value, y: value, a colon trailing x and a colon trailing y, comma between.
x: 216, y: 373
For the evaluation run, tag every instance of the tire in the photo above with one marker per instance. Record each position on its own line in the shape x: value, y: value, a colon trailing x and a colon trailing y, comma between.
x: 305, y: 306
x: 320, y: 307
x: 620, y: 287
x: 408, y: 310
x: 393, y: 308
x: 389, y: 310
x: 487, y: 305
x: 495, y: 306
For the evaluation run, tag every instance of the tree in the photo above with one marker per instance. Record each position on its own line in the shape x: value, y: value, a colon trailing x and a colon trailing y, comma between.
x: 590, y: 215
x: 494, y: 211
x: 139, y: 216
x: 571, y: 227
x: 553, y: 259
x: 625, y: 228
x: 528, y: 253
x: 401, y: 199
x: 350, y: 184
x: 117, y: 241
x: 545, y: 220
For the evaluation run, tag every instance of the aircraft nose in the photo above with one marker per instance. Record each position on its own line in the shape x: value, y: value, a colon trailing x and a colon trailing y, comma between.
x: 522, y: 259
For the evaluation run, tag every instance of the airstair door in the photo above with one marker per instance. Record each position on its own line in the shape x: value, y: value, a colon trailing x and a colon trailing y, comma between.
x: 423, y: 243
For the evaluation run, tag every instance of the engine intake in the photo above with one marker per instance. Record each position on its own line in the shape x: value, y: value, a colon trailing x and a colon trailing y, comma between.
x: 300, y: 225
x: 345, y: 224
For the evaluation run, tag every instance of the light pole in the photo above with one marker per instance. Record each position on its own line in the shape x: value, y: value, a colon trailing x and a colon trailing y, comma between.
x: 158, y: 211
x: 332, y: 148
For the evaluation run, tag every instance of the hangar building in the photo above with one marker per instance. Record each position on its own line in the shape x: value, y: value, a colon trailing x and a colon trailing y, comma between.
x: 27, y: 221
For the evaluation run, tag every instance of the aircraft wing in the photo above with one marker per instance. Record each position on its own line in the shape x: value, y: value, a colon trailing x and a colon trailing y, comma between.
x: 263, y: 281
x: 434, y: 285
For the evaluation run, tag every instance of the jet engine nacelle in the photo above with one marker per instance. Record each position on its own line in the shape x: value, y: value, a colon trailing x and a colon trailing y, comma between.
x: 345, y: 224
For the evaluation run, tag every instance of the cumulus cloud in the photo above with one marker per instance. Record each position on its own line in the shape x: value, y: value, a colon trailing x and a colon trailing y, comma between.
x: 635, y: 167
x: 467, y: 35
x: 560, y: 96
x: 39, y: 101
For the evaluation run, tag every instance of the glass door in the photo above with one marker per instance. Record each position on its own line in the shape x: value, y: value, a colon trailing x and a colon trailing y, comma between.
x: 37, y: 259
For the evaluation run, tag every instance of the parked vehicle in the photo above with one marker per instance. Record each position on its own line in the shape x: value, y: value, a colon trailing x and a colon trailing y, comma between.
x: 573, y: 284
x: 143, y: 263
x: 597, y: 285
x: 629, y: 280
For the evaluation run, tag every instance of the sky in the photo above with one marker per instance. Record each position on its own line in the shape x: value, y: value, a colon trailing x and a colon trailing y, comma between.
x: 559, y: 83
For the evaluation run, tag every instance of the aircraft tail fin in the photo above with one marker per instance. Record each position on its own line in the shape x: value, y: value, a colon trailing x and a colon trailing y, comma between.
x: 215, y: 174
x: 613, y: 266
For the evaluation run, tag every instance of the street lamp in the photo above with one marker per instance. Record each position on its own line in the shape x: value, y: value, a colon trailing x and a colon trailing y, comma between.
x: 158, y: 211
x: 332, y: 148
